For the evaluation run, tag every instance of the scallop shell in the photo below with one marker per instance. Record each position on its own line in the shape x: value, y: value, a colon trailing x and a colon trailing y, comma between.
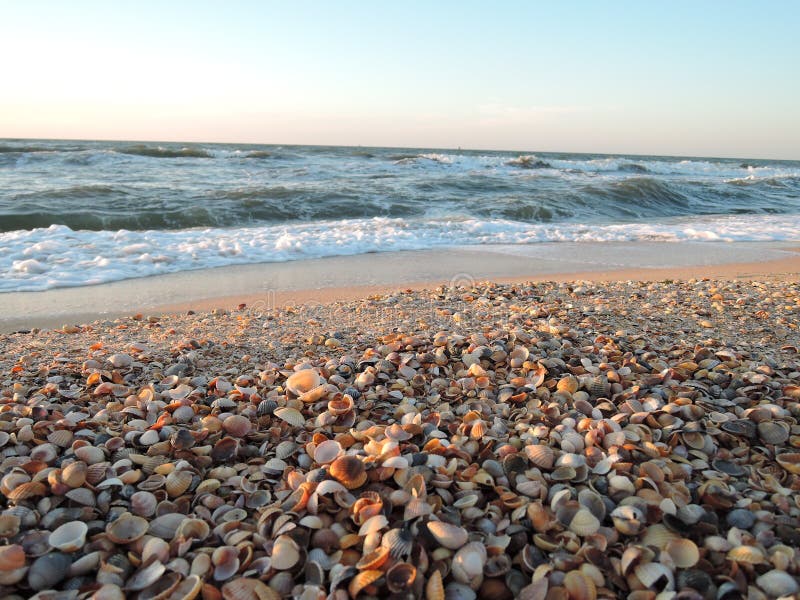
x: 248, y: 589
x: 303, y: 381
x: 568, y: 384
x: 285, y: 553
x: 580, y: 586
x: 541, y: 456
x: 599, y: 387
x: 349, y: 471
x: 398, y: 541
x: 285, y: 449
x: 61, y: 438
x: 448, y: 535
x: 773, y: 432
x: 26, y: 491
x: 584, y: 523
x: 292, y: 416
x: 684, y: 552
x: 69, y: 537
x: 177, y: 483
x: 237, y: 425
x: 746, y: 554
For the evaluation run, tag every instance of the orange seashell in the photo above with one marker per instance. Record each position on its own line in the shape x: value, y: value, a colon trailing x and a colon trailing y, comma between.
x: 373, y: 560
x: 363, y: 580
x: 434, y: 589
x: 349, y: 471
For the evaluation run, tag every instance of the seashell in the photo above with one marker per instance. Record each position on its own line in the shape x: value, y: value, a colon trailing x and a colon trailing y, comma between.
x: 468, y: 563
x: 225, y: 449
x: 568, y: 384
x: 143, y: 503
x: 177, y: 483
x: 285, y: 449
x: 655, y: 576
x: 658, y: 536
x: 398, y: 541
x: 74, y: 474
x: 149, y: 437
x: 349, y: 471
x: 628, y: 519
x: 195, y: 529
x: 145, y: 577
x: 126, y: 528
x: 161, y: 588
x: 373, y: 560
x: 11, y: 557
x: 341, y: 406
x: 746, y: 554
x: 27, y: 491
x: 302, y: 381
x: 266, y: 407
x: 61, y: 438
x: 189, y: 589
x: 401, y: 577
x: 777, y: 584
x: 541, y: 456
x: 69, y: 537
x: 292, y: 416
x: 90, y: 454
x: 363, y: 580
x: 246, y: 588
x: 86, y: 564
x: 237, y: 425
x: 684, y: 552
x: 448, y: 535
x: 226, y: 562
x: 773, y: 432
x: 45, y: 453
x: 599, y: 387
x: 584, y: 523
x: 9, y: 527
x: 789, y: 461
x: 48, y: 570
x: 327, y: 451
x: 580, y: 586
x: 166, y: 525
x: 434, y: 588
x: 285, y: 553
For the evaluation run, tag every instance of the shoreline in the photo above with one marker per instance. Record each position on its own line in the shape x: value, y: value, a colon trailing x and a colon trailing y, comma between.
x: 347, y: 278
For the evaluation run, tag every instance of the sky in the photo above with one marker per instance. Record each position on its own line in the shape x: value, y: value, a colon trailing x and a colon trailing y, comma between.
x: 695, y: 78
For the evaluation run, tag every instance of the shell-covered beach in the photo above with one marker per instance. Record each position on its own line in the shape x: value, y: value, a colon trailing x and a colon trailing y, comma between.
x: 548, y: 440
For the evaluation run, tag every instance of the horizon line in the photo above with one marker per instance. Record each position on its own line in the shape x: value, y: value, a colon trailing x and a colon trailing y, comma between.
x: 450, y: 149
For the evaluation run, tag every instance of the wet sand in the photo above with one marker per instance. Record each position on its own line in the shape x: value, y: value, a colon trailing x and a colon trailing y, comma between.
x: 349, y: 278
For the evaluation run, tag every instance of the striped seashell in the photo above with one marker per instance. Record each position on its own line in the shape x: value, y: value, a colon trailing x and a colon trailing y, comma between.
x: 541, y: 456
x: 747, y: 554
x: 599, y: 387
x: 26, y: 491
x: 177, y: 483
x: 97, y: 472
x: 292, y: 416
x: 584, y: 523
x: 61, y: 438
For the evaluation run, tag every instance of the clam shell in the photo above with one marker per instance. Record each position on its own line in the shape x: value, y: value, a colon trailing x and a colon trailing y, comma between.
x: 226, y: 562
x: 74, y: 474
x: 188, y: 589
x: 285, y: 553
x: 541, y: 456
x: 126, y: 529
x: 237, y: 425
x: 746, y: 554
x: 362, y: 580
x: 584, y: 523
x: 161, y: 588
x: 789, y: 461
x: 349, y: 471
x: 650, y: 574
x: 166, y: 525
x: 90, y: 454
x: 448, y: 535
x: 292, y: 416
x: 580, y: 586
x: 303, y: 381
x: 773, y: 432
x: 401, y: 577
x: 145, y: 577
x: 468, y: 563
x: 143, y: 503
x: 177, y: 483
x: 11, y: 557
x: 45, y: 453
x: 373, y: 560
x: 69, y: 537
x: 327, y: 451
x: 684, y: 553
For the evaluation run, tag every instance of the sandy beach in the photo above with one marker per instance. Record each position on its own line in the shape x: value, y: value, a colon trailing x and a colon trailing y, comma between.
x: 624, y: 429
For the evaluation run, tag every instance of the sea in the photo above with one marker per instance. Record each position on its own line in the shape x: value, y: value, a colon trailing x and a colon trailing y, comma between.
x: 77, y: 213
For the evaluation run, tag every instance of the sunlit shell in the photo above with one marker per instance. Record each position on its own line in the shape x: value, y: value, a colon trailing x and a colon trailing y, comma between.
x: 177, y: 483
x: 126, y: 529
x: 11, y: 557
x: 285, y: 553
x: 789, y: 461
x: 746, y: 554
x: 362, y: 580
x: 90, y: 454
x: 684, y: 552
x: 188, y: 589
x: 468, y: 563
x: 74, y: 474
x: 27, y: 491
x: 568, y: 384
x: 584, y: 523
x: 449, y: 536
x: 434, y: 588
x: 541, y: 456
x: 341, y: 406
x: 290, y: 415
x: 302, y: 381
x: 70, y: 536
x: 349, y: 471
x: 658, y: 536
x: 373, y: 560
x: 580, y: 586
x: 237, y: 425
x: 628, y: 519
x: 327, y: 451
x: 246, y: 588
x: 9, y: 525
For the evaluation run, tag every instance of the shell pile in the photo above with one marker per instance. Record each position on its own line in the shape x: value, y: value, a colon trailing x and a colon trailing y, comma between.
x: 555, y: 441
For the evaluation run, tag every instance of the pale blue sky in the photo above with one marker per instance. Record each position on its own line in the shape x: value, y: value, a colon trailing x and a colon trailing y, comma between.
x: 690, y: 78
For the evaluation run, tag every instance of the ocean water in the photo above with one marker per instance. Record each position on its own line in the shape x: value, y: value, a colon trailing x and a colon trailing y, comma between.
x: 76, y: 213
